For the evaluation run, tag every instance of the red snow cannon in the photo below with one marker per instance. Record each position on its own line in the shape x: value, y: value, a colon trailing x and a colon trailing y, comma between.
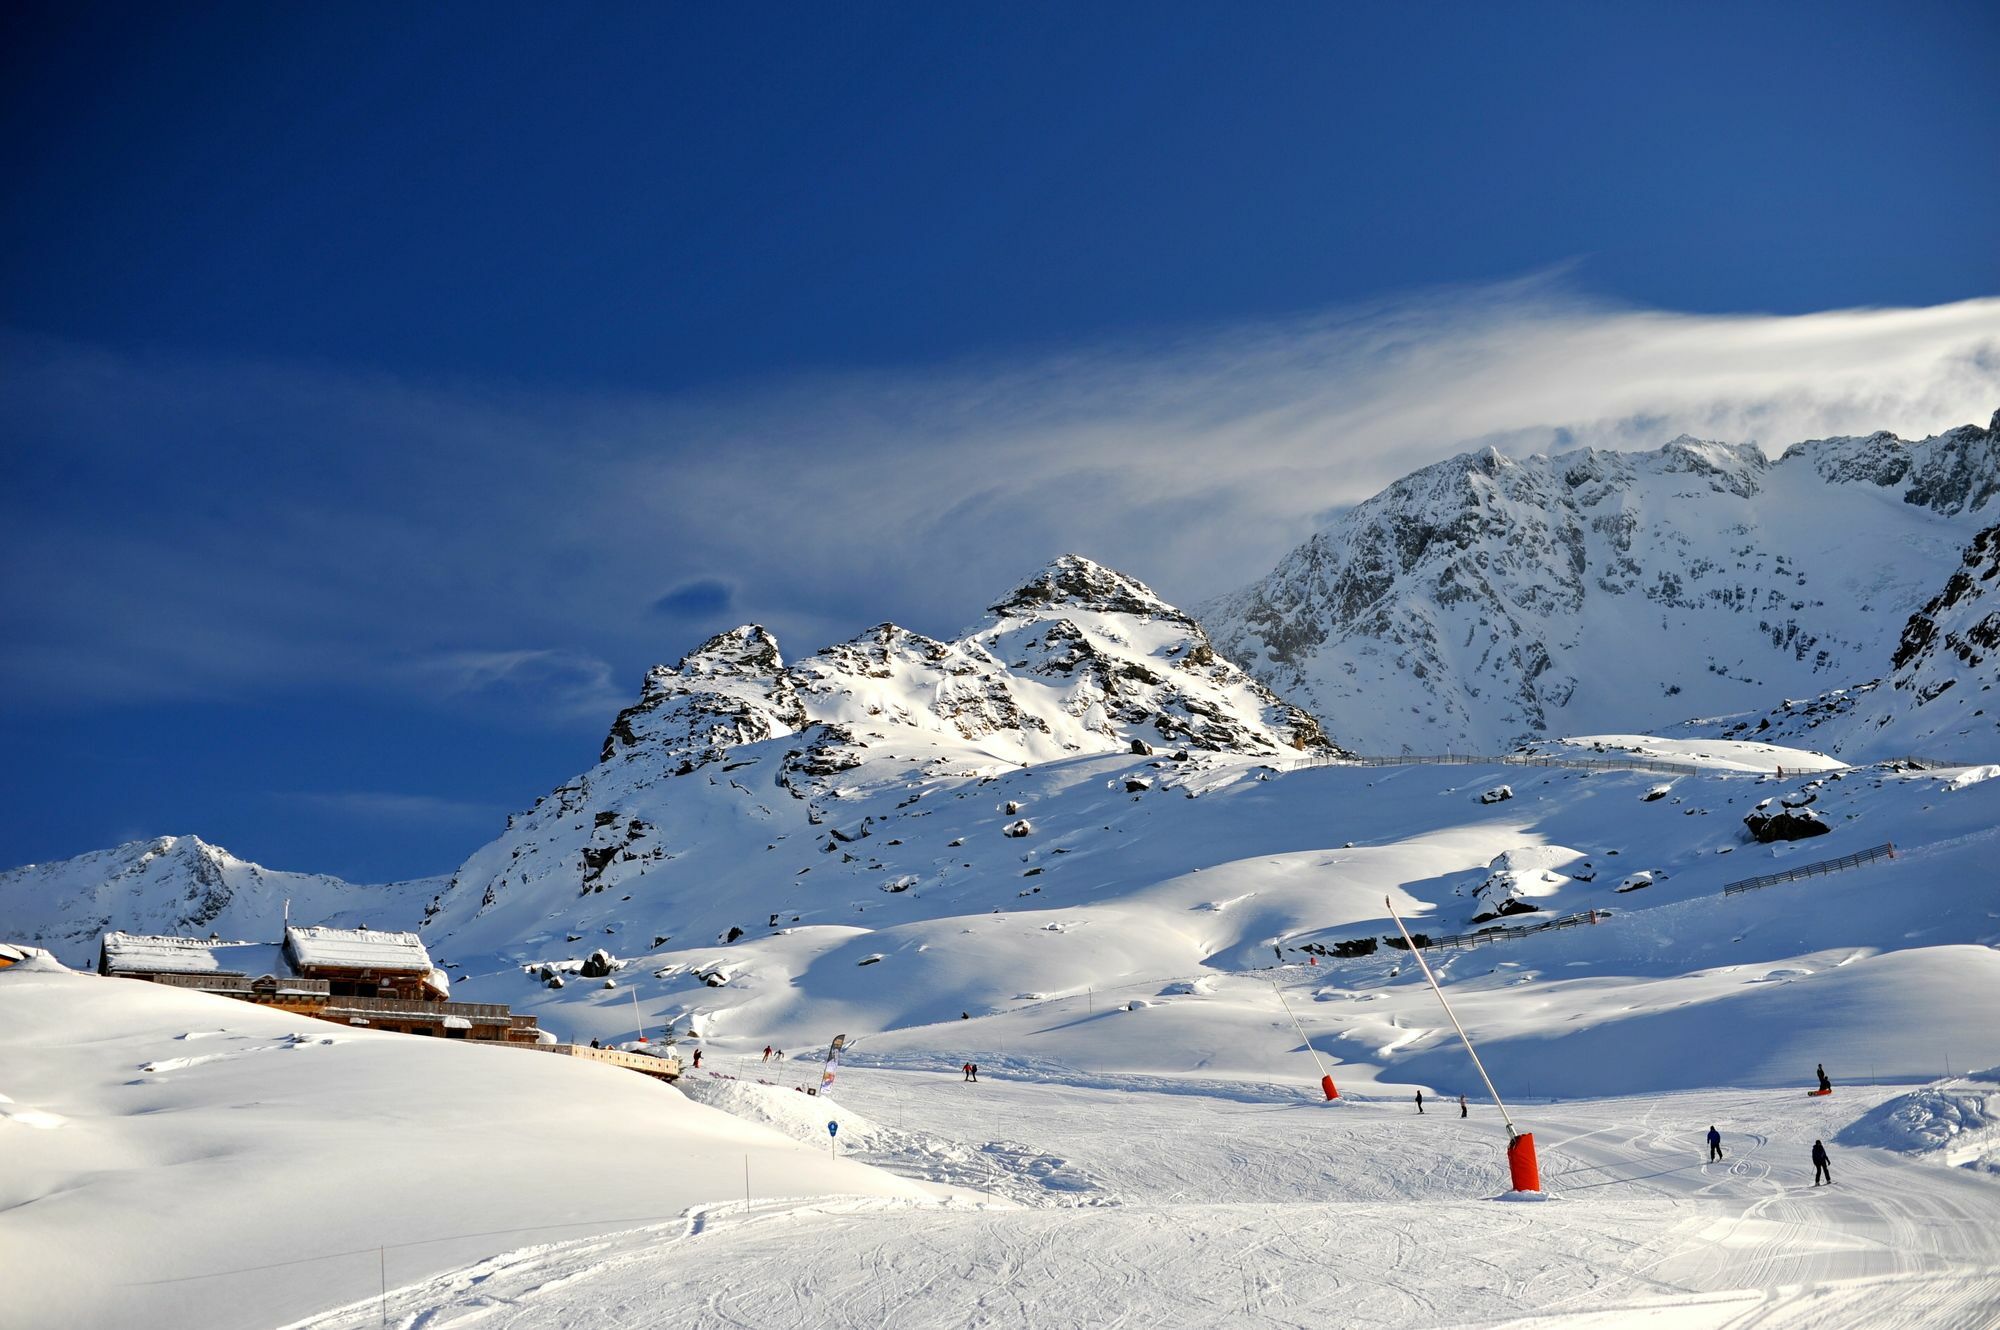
x: 1521, y: 1163
x: 1326, y: 1084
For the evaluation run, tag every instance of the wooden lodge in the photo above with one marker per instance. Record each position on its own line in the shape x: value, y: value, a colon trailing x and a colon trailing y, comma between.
x: 353, y: 976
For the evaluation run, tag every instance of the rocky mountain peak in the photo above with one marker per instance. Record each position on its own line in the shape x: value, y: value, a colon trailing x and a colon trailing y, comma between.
x: 1480, y: 601
x: 1078, y: 583
x: 1952, y: 473
x: 1958, y: 629
x: 749, y: 651
x: 732, y: 689
x: 1937, y: 702
x: 1082, y: 661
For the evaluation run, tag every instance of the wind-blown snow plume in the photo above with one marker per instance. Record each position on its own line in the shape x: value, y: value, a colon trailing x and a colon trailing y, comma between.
x: 450, y: 531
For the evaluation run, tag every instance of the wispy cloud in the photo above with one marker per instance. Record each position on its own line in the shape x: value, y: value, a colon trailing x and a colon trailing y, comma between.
x: 178, y: 527
x: 556, y: 681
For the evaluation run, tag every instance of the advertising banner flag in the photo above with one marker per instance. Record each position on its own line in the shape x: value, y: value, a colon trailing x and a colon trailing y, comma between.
x: 832, y: 1063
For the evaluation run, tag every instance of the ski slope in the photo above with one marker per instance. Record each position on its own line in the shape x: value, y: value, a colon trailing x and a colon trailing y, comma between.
x: 170, y: 1158
x: 1109, y: 935
x: 1254, y: 1206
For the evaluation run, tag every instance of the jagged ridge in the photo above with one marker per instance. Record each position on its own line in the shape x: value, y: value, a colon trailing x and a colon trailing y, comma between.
x: 1483, y: 600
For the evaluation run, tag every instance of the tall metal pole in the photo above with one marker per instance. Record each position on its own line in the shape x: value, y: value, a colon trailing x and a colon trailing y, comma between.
x: 1317, y: 1061
x: 1417, y: 952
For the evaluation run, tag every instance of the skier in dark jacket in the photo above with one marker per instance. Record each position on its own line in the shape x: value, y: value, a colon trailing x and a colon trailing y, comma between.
x: 1461, y: 1106
x: 1420, y: 1101
x: 1825, y: 1085
x: 1714, y: 1145
x: 1820, y: 1169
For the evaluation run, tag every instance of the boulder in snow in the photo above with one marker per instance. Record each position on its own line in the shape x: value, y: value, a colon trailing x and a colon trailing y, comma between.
x: 1498, y: 794
x: 1786, y: 824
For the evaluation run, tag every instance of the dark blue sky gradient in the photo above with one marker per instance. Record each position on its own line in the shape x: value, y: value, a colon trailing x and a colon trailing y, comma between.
x: 682, y: 199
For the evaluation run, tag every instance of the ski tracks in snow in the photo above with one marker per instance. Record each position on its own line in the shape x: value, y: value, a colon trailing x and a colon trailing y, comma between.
x: 1241, y: 1212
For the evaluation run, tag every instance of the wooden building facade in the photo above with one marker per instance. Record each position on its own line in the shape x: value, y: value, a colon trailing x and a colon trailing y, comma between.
x: 352, y: 976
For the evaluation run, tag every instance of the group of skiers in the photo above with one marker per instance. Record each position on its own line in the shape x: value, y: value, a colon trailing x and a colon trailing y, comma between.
x: 971, y: 1070
x: 1461, y: 1104
x: 1822, y: 1165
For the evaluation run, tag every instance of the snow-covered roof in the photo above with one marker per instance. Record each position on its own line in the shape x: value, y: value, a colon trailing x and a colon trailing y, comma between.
x: 140, y: 953
x: 457, y: 1023
x: 153, y: 954
x: 357, y: 949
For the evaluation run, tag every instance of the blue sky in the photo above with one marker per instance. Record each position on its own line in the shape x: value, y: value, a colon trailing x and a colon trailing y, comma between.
x: 383, y: 388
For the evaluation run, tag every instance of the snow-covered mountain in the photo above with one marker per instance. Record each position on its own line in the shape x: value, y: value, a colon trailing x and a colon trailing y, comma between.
x: 1079, y: 850
x: 181, y: 884
x: 1937, y: 700
x: 1079, y: 660
x: 1484, y: 600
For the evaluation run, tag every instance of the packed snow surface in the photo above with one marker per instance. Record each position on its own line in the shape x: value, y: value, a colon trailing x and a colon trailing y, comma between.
x: 170, y: 1158
x: 1241, y: 1203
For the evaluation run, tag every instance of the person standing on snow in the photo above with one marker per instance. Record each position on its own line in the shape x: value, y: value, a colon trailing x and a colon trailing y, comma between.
x: 1714, y: 1145
x: 697, y: 1059
x: 974, y: 1067
x: 1820, y: 1169
x: 965, y: 1069
x: 1420, y: 1101
x: 1461, y: 1105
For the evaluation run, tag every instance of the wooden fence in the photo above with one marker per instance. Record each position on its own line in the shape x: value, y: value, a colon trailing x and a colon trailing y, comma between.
x: 1501, y: 933
x: 1820, y: 869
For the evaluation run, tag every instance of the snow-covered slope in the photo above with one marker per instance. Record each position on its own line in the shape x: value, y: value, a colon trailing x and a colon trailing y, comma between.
x: 1078, y: 660
x: 767, y: 928
x: 170, y: 1158
x: 1076, y: 848
x: 182, y: 884
x: 1937, y: 700
x: 1484, y: 600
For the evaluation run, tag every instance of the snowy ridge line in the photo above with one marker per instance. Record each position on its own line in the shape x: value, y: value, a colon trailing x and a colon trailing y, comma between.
x: 1505, y: 760
x: 1819, y: 869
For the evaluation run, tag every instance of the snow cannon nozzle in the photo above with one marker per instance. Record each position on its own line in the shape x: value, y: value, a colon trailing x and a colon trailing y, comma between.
x: 1522, y: 1166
